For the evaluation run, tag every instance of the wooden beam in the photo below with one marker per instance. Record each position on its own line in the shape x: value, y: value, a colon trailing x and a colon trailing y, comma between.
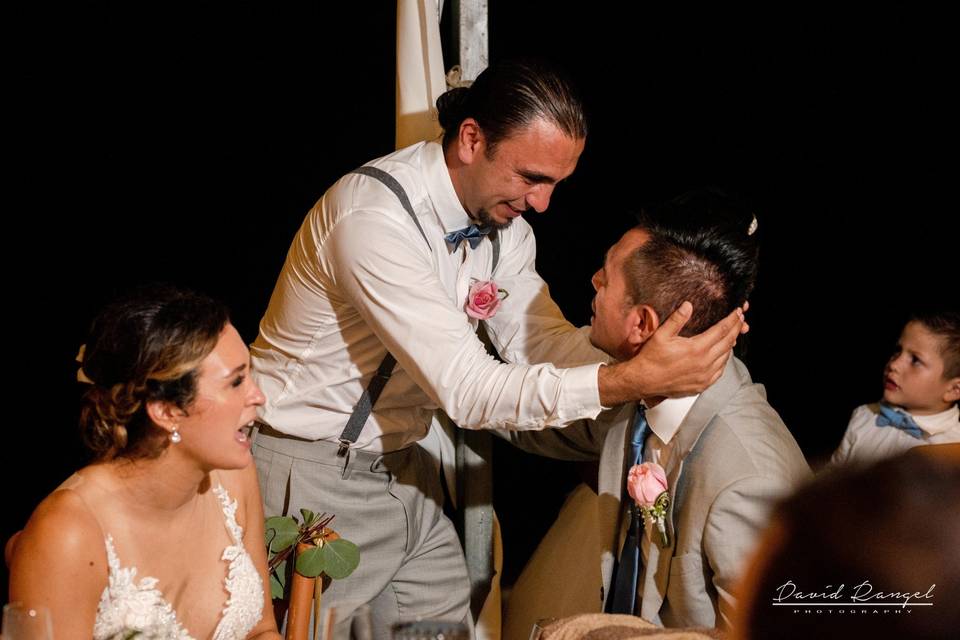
x: 471, y: 36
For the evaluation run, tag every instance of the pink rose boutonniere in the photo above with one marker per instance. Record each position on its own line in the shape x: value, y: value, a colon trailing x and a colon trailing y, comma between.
x: 484, y: 299
x: 647, y: 485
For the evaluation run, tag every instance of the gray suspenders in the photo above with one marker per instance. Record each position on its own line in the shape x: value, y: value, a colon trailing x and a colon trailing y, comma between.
x: 379, y: 380
x: 474, y: 449
x: 361, y: 412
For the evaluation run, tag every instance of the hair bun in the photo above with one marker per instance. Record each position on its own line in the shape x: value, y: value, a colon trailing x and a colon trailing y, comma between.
x: 452, y: 107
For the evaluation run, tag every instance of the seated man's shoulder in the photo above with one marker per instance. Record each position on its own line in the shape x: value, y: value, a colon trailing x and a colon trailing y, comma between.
x: 744, y: 416
x: 748, y: 438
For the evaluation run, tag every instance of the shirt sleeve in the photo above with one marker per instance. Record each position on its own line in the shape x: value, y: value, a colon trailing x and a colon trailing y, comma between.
x: 581, y: 441
x: 532, y: 329
x: 394, y: 289
x: 844, y: 453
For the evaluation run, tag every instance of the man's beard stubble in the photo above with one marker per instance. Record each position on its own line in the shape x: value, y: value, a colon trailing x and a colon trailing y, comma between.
x: 486, y: 220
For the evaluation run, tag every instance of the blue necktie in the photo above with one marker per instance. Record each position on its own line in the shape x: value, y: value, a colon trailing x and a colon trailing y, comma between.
x: 890, y: 417
x: 624, y: 596
x: 472, y: 234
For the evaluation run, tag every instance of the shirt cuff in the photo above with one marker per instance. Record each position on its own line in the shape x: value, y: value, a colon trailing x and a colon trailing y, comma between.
x: 581, y: 393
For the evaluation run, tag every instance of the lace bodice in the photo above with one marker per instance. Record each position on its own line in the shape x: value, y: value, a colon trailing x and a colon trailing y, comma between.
x: 127, y: 604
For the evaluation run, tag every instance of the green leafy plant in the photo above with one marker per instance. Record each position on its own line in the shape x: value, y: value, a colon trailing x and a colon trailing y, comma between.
x: 329, y: 554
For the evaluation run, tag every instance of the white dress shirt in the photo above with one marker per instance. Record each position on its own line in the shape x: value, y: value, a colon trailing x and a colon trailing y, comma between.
x: 664, y: 420
x: 865, y: 442
x: 360, y: 279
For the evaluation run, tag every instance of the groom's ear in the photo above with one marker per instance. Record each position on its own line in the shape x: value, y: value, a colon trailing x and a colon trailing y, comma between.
x: 643, y: 322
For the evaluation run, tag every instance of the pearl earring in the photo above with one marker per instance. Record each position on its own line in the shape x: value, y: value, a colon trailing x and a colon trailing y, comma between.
x: 175, y: 436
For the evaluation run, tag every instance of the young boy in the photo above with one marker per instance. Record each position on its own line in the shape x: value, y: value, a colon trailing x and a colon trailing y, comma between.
x: 921, y: 388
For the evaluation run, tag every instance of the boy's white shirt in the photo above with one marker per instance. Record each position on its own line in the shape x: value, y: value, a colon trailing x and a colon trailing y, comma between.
x: 865, y: 442
x: 939, y: 422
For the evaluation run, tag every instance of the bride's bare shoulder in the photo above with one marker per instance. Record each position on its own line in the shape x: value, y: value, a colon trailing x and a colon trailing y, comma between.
x: 65, y: 516
x: 63, y: 533
x: 59, y: 560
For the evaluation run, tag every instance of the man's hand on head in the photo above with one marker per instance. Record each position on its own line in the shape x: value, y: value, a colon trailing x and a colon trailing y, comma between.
x: 671, y: 365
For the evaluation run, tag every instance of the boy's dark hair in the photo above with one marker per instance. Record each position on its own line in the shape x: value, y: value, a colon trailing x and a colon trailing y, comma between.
x: 946, y: 326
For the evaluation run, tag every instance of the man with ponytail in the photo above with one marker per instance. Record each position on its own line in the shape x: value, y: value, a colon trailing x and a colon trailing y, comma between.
x: 387, y: 279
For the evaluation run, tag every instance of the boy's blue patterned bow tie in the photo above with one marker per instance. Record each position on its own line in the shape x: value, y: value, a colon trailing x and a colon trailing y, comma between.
x: 472, y: 234
x: 890, y: 417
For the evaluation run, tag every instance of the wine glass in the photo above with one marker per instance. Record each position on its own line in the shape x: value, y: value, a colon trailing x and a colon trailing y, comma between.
x: 430, y: 630
x: 538, y: 627
x: 21, y: 622
x: 361, y: 623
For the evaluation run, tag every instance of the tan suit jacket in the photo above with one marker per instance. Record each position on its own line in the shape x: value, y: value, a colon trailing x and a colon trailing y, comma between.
x: 733, y: 457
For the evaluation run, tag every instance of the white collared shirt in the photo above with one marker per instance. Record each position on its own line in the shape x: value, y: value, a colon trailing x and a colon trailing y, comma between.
x: 864, y: 442
x: 359, y: 279
x: 664, y: 420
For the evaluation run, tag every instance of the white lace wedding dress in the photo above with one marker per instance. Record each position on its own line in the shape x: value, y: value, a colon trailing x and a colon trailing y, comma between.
x: 128, y: 605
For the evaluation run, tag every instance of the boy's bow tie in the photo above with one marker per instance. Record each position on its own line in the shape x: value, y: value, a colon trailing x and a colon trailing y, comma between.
x: 890, y: 417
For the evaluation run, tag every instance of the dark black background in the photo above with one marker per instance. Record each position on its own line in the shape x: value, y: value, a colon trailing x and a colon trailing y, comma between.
x: 185, y: 144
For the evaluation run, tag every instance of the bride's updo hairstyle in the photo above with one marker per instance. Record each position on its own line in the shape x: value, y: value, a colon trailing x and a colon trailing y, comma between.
x: 144, y: 347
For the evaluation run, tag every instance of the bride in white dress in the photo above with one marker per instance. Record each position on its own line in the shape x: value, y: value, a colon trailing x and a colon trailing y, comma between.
x: 163, y: 533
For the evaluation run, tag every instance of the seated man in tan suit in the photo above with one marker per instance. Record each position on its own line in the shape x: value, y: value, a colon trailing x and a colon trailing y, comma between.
x: 726, y: 453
